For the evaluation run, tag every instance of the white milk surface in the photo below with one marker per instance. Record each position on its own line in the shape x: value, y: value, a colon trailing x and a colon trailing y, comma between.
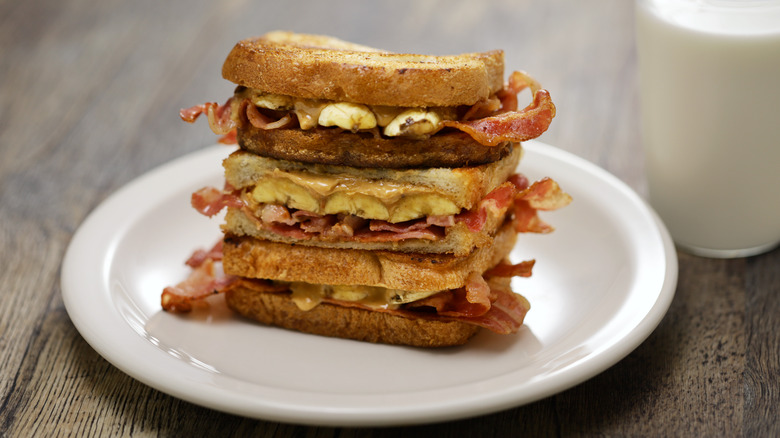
x: 710, y: 93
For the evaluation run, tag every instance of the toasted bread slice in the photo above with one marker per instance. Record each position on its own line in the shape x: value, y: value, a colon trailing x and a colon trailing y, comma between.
x: 279, y: 310
x: 463, y: 186
x: 318, y: 67
x: 310, y: 41
x: 364, y: 149
x: 256, y: 258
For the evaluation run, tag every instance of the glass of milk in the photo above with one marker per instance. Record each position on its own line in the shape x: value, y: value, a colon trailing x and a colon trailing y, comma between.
x: 709, y: 73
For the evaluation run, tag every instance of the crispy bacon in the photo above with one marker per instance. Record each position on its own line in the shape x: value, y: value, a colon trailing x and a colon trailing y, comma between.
x: 494, y: 307
x: 304, y: 225
x: 262, y: 121
x: 506, y: 313
x: 474, y: 219
x: 210, y: 201
x: 292, y: 231
x: 192, y: 113
x: 506, y: 269
x: 519, y: 180
x: 544, y: 194
x: 441, y: 220
x: 495, y: 202
x: 218, y: 116
x: 507, y: 97
x: 477, y: 292
x: 319, y: 224
x: 514, y: 126
x: 528, y: 221
x: 204, y: 280
x: 229, y: 138
x: 396, y: 235
x: 504, y: 316
x: 200, y: 256
x: 347, y: 225
x: 470, y: 301
x: 401, y: 227
x: 276, y: 213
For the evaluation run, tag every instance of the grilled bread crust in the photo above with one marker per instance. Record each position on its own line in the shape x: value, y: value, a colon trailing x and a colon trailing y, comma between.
x: 319, y: 67
x: 255, y: 258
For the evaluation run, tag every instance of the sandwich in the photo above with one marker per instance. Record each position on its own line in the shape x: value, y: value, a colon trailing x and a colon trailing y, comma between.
x: 373, y: 195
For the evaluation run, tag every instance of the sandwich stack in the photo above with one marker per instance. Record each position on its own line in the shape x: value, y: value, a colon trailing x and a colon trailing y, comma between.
x: 374, y: 195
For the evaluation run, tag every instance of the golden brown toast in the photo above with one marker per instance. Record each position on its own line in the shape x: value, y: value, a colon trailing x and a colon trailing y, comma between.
x: 255, y: 258
x: 319, y: 67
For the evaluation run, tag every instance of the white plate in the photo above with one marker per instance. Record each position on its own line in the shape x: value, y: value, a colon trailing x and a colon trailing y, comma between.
x: 602, y: 282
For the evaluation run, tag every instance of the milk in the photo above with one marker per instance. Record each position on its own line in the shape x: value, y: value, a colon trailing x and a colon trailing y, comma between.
x: 710, y: 104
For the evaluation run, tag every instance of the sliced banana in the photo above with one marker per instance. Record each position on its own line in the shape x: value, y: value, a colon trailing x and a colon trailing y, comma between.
x: 345, y: 115
x: 414, y: 122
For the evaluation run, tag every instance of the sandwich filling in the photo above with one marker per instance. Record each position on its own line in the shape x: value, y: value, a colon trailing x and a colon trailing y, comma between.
x: 490, y: 122
x: 515, y: 199
x: 326, y: 194
x: 485, y: 300
x: 374, y: 194
x: 310, y: 113
x: 339, y: 206
x: 307, y: 296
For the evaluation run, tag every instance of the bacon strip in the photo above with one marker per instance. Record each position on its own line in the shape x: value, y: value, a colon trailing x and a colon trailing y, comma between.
x: 503, y: 313
x: 276, y: 213
x: 477, y: 292
x: 512, y: 126
x: 192, y: 113
x: 506, y: 270
x: 206, y: 279
x: 396, y: 236
x: 544, y: 194
x: 262, y: 121
x: 506, y: 314
x: 401, y: 227
x: 200, y: 256
x: 218, y: 116
x: 494, y: 202
x: 203, y: 281
x: 229, y: 138
x: 209, y: 201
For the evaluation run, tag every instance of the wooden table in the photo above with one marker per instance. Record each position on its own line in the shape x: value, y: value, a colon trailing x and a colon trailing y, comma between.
x: 89, y: 95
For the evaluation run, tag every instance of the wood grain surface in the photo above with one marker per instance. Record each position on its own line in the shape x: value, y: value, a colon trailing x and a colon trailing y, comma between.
x: 89, y: 96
